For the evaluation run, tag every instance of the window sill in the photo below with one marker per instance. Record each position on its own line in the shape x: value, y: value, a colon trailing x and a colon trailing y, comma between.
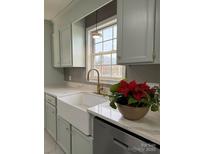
x: 108, y: 83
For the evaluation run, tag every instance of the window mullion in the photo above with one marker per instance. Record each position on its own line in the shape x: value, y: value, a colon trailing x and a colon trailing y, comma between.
x: 112, y: 48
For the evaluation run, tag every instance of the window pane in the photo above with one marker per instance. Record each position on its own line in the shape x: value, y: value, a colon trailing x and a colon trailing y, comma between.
x: 114, y: 58
x: 98, y: 68
x: 107, y: 59
x: 115, y: 44
x: 98, y: 47
x: 107, y: 33
x: 115, y: 31
x: 97, y: 60
x: 116, y: 71
x: 107, y: 46
x: 106, y: 71
x: 98, y: 39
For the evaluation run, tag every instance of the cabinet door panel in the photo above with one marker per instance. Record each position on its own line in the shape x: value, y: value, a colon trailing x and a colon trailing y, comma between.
x: 157, y: 32
x: 47, y: 114
x: 65, y: 48
x: 78, y: 43
x: 56, y: 49
x: 81, y: 144
x: 51, y: 120
x: 135, y: 31
x: 63, y: 134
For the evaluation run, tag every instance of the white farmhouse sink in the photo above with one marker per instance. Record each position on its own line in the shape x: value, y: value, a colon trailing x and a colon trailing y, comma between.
x: 73, y: 108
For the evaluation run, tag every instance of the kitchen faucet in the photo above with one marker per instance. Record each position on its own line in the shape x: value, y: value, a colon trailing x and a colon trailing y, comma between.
x: 98, y: 75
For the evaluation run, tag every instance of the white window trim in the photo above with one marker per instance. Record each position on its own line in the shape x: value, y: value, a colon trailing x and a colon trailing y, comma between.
x: 105, y: 23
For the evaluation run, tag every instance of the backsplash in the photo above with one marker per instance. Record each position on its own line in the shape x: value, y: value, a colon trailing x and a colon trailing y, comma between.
x: 149, y: 73
x: 141, y: 73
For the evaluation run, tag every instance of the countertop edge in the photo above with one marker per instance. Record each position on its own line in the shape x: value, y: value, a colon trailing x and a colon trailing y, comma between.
x: 124, y: 127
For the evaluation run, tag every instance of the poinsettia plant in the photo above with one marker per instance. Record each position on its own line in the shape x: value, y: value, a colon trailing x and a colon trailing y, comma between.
x: 135, y: 94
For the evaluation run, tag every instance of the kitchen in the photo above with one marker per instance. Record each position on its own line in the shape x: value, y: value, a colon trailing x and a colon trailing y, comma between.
x: 102, y: 77
x: 90, y: 47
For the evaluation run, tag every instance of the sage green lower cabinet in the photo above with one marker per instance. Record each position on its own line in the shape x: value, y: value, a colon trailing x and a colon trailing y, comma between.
x: 64, y: 135
x: 81, y: 144
x: 51, y: 120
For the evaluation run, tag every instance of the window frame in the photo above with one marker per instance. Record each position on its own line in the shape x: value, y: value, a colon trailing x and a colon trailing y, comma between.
x: 90, y: 45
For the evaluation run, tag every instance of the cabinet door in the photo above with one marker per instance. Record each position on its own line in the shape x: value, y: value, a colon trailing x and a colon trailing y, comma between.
x: 51, y: 120
x: 63, y: 134
x: 81, y: 144
x: 78, y: 43
x: 135, y: 31
x: 65, y: 48
x: 157, y: 32
x: 56, y: 49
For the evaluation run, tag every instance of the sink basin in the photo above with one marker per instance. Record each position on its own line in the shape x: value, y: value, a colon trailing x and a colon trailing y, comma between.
x: 73, y: 108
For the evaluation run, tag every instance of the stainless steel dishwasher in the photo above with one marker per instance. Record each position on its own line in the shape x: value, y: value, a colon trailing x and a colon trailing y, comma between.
x: 110, y: 139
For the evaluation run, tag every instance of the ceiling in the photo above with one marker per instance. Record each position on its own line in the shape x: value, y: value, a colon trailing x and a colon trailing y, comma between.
x: 53, y: 7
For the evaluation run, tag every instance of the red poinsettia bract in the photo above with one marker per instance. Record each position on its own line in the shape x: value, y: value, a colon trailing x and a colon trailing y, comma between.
x: 138, y: 91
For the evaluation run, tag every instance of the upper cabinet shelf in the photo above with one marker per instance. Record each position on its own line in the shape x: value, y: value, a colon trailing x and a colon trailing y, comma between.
x: 138, y: 32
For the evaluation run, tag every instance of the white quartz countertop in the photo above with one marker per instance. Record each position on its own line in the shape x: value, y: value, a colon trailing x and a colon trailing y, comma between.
x: 147, y: 127
x: 63, y: 90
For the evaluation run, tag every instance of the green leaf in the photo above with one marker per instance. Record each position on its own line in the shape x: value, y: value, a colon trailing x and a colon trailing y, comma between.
x: 114, y: 87
x: 131, y: 100
x: 154, y: 108
x: 112, y: 104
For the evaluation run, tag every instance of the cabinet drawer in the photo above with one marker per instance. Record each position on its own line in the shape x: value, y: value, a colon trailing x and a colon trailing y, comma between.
x: 51, y: 100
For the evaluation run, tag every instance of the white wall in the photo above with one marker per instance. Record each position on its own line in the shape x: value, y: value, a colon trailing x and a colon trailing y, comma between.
x: 51, y: 75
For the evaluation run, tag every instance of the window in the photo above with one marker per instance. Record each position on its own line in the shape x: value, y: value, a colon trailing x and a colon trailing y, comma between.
x: 102, y: 53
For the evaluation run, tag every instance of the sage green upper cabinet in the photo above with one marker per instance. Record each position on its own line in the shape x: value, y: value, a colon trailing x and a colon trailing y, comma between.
x: 65, y: 47
x: 69, y: 45
x: 56, y: 49
x: 78, y: 43
x: 157, y: 33
x: 136, y: 27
